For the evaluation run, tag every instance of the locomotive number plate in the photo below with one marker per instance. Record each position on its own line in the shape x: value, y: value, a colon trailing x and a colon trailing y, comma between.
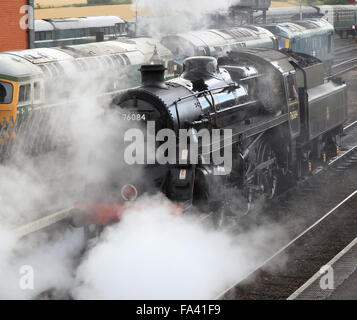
x: 134, y: 116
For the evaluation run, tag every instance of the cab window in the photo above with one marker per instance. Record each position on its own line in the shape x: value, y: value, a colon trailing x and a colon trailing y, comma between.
x: 281, y: 43
x: 6, y: 91
x: 25, y: 93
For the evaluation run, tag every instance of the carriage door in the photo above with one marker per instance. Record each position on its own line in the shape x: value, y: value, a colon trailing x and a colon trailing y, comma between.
x: 293, y: 105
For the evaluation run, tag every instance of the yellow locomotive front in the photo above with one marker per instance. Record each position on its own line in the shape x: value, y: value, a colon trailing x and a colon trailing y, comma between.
x: 17, y: 86
x: 8, y: 111
x: 8, y: 108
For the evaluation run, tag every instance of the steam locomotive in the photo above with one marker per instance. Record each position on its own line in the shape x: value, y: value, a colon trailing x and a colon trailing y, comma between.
x: 284, y: 119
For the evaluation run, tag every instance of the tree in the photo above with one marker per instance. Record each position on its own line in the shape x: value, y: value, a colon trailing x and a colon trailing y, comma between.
x: 99, y: 1
x: 332, y: 2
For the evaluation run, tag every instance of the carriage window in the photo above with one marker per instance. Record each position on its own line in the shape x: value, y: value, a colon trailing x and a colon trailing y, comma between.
x: 6, y: 90
x: 42, y: 35
x: 37, y: 90
x: 25, y: 93
x: 281, y: 43
x: 120, y: 28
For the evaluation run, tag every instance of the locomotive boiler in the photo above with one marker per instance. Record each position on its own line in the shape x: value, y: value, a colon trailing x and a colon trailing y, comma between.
x: 284, y: 119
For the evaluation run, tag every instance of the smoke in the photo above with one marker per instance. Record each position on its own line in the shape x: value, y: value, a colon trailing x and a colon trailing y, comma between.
x: 40, y: 266
x: 47, y: 171
x: 170, y: 7
x: 186, y: 14
x: 151, y: 254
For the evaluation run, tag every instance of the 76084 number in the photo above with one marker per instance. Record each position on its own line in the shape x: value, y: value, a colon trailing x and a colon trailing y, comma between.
x: 133, y: 116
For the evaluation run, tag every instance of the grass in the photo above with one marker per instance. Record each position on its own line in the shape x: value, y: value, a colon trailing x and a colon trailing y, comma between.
x: 112, y: 2
x: 46, y: 4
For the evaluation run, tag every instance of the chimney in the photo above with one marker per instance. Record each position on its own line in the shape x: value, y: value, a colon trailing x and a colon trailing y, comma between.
x: 153, y: 75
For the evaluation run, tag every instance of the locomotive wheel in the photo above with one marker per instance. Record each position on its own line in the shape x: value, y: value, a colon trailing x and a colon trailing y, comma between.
x: 267, y: 177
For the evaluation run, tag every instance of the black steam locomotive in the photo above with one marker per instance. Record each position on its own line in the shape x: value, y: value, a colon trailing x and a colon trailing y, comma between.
x: 283, y: 117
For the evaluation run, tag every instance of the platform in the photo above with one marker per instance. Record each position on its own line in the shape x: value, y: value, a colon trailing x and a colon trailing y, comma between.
x: 339, y: 284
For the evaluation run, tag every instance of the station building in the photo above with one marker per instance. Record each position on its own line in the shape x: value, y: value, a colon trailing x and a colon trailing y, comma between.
x: 16, y: 24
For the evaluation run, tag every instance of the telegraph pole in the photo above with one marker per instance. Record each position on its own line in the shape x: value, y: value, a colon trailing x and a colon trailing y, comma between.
x: 300, y: 9
x: 136, y: 17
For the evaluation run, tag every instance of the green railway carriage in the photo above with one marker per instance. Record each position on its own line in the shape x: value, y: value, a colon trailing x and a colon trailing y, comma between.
x: 68, y: 31
x: 311, y: 36
x: 34, y: 79
x: 343, y: 18
x: 217, y: 42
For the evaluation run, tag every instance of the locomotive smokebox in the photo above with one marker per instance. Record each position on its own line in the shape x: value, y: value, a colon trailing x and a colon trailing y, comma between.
x: 200, y: 68
x: 153, y: 75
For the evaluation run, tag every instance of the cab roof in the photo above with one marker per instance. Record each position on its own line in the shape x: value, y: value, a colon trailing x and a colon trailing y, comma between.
x: 301, y: 29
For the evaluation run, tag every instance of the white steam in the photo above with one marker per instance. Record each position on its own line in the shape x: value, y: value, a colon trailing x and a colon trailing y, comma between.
x: 39, y: 267
x: 34, y: 186
x: 171, y: 7
x: 151, y: 254
x: 172, y: 16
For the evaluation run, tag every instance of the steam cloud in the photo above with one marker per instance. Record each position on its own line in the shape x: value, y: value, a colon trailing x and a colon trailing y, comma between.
x: 186, y: 14
x: 150, y: 254
x: 33, y: 186
x: 154, y: 255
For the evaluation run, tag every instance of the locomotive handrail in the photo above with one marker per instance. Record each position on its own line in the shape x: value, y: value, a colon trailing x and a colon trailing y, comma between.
x: 258, y: 128
x: 251, y: 77
x: 226, y: 110
x: 229, y: 86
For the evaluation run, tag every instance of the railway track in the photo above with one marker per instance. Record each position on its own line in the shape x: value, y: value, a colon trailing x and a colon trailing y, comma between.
x: 327, y: 228
x: 306, y: 253
x: 343, y: 67
x: 349, y: 48
x: 313, y: 243
x: 345, y: 51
